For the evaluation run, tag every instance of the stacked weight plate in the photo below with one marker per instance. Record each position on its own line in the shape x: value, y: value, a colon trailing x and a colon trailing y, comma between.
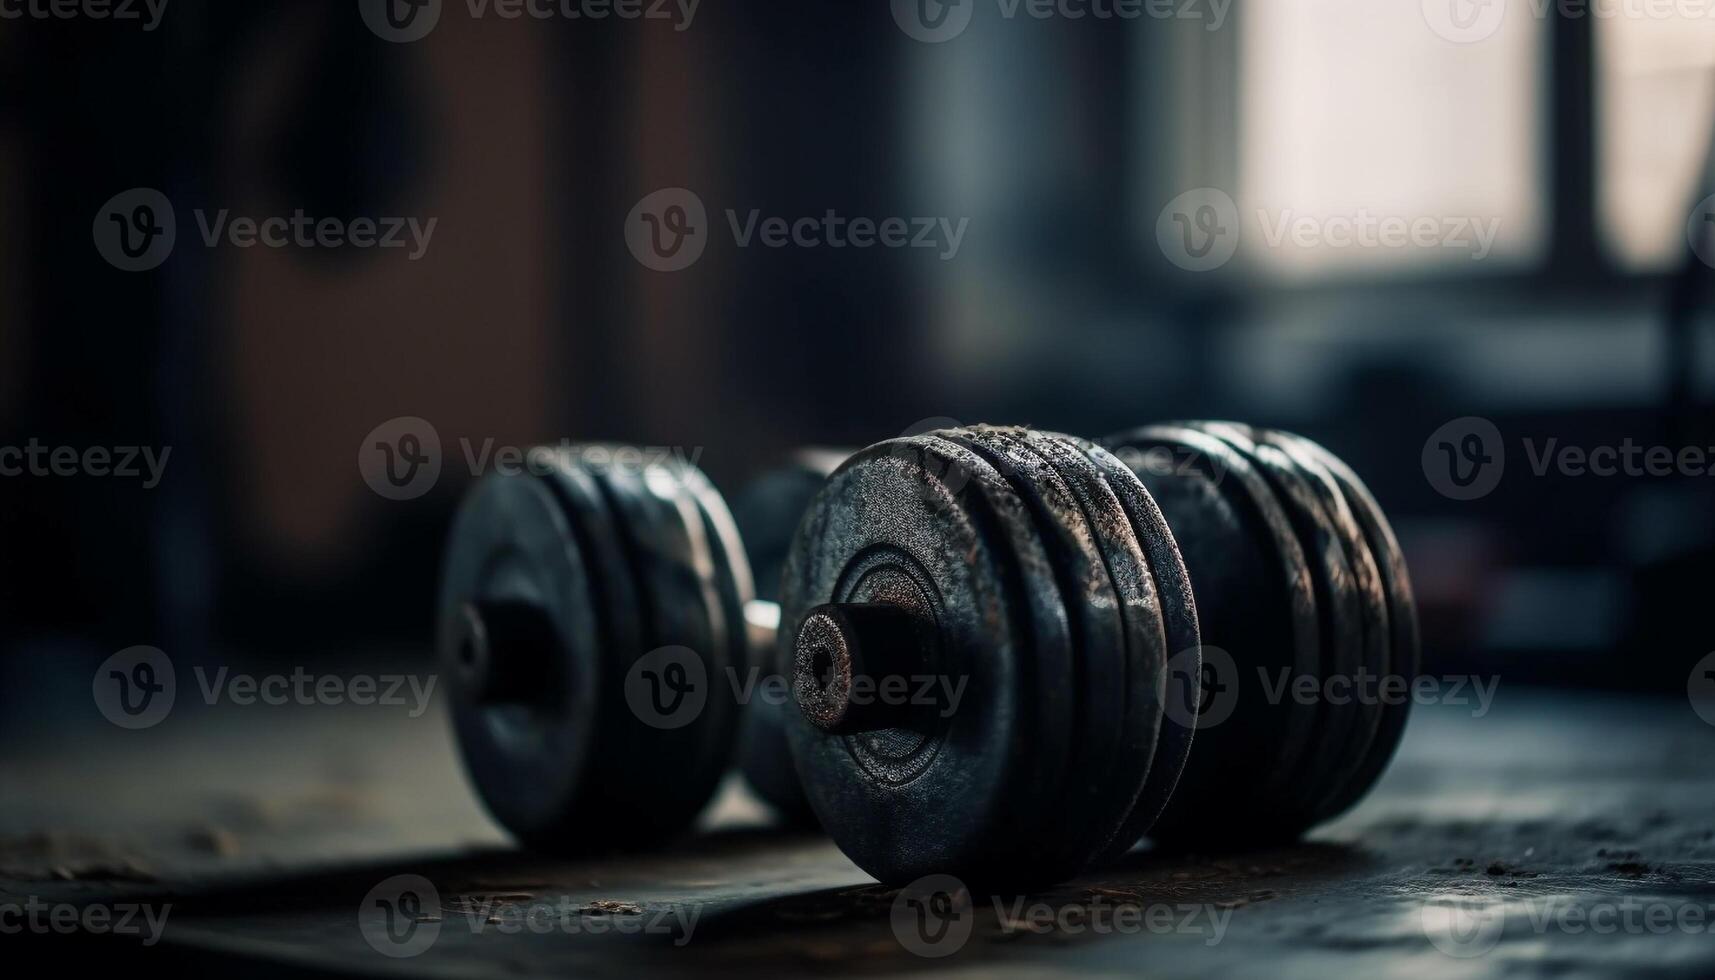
x: 567, y: 591
x: 1051, y: 618
x: 1059, y: 598
x: 1306, y: 608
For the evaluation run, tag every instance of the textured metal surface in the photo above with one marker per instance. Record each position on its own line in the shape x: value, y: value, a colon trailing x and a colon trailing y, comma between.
x: 1082, y: 808
x: 927, y: 523
x: 1403, y: 647
x: 1182, y: 636
x: 1263, y: 551
x: 1346, y: 773
x: 1145, y: 655
x: 1256, y: 610
x: 1340, y: 627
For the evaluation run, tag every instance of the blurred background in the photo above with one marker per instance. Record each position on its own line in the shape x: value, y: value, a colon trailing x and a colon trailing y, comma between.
x: 1581, y: 141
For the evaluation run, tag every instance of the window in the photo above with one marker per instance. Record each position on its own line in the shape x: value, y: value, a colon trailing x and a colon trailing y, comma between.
x: 1355, y: 111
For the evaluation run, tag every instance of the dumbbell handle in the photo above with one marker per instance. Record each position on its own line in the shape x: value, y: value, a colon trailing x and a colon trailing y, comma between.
x: 841, y: 654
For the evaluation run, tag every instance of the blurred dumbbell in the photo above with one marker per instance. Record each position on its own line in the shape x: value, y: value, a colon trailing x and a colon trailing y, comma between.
x: 597, y: 621
x: 1050, y: 602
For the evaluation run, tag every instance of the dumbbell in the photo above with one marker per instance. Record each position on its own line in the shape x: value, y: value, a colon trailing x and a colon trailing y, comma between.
x: 594, y: 613
x: 1093, y: 603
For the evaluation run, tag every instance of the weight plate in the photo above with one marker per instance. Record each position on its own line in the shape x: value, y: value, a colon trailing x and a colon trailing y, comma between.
x: 1373, y: 661
x: 676, y: 736
x: 733, y: 590
x: 767, y: 512
x: 1083, y: 797
x: 1340, y: 620
x: 1404, y: 648
x: 924, y: 523
x: 1178, y: 609
x: 524, y: 698
x: 1146, y: 650
x: 1256, y: 610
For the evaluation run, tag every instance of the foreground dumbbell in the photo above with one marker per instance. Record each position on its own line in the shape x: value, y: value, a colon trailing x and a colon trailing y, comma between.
x: 593, y: 613
x: 1059, y: 599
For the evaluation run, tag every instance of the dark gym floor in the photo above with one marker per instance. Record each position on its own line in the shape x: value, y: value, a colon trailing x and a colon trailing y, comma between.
x: 1553, y: 835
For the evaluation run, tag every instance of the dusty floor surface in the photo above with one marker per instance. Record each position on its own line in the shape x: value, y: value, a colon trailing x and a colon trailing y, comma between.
x: 1554, y: 835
